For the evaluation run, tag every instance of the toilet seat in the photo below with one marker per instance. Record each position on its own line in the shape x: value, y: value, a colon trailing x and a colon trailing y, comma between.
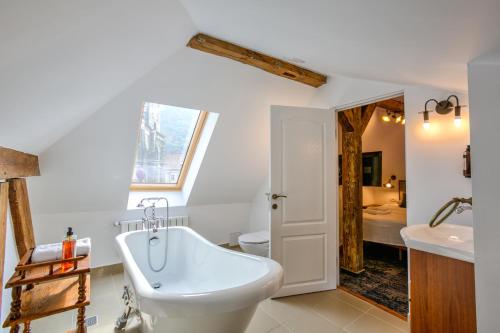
x: 256, y: 243
x: 259, y: 237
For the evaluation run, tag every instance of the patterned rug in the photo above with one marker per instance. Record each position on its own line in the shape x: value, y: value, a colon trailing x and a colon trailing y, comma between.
x: 385, y: 279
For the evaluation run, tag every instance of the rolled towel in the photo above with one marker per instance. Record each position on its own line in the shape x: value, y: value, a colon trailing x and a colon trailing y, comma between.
x: 48, y: 252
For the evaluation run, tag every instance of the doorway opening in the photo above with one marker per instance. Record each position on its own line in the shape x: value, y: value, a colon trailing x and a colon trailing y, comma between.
x: 372, y: 204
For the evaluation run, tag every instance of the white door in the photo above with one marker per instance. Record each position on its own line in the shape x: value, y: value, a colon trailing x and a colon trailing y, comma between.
x: 304, y: 198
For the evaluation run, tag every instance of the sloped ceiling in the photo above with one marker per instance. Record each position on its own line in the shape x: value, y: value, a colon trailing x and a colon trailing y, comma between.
x: 74, y: 73
x: 426, y: 41
x: 90, y: 169
x: 61, y: 60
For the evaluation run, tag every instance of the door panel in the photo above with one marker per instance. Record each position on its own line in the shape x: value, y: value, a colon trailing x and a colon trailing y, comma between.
x: 303, y: 224
x: 303, y: 159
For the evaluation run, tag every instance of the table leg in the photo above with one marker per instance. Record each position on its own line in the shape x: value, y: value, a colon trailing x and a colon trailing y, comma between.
x: 80, y: 322
x: 15, y: 307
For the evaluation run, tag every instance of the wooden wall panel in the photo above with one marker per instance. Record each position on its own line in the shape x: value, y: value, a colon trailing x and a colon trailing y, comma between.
x: 442, y: 294
x: 21, y: 215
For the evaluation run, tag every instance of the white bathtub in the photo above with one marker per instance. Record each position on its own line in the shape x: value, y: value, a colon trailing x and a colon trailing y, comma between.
x: 204, y: 288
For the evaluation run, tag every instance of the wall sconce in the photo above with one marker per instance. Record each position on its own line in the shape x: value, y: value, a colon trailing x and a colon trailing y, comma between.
x: 443, y: 107
x: 389, y: 184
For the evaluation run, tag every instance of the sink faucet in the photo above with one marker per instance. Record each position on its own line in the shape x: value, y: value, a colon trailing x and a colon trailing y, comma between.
x: 461, y: 209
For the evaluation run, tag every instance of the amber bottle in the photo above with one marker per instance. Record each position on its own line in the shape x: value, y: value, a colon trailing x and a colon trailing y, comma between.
x: 68, y: 249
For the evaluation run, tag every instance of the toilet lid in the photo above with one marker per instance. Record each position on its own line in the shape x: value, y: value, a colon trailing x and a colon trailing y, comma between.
x: 255, y: 237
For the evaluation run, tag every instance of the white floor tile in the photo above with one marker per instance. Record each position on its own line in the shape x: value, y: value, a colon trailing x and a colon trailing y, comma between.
x: 337, y: 311
x: 391, y: 319
x: 261, y: 323
x: 370, y: 324
x: 324, y: 312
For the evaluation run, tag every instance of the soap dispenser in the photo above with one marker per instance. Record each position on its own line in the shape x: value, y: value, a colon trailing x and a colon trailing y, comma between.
x: 68, y: 249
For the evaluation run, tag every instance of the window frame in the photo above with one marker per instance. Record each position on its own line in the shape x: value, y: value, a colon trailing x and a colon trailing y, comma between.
x: 193, y: 144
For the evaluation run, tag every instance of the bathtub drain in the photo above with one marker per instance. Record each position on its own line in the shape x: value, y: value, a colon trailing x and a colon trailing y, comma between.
x: 156, y: 285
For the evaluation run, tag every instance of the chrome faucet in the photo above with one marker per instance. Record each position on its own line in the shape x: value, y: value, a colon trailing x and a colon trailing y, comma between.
x: 454, y: 205
x: 461, y: 209
x: 151, y: 220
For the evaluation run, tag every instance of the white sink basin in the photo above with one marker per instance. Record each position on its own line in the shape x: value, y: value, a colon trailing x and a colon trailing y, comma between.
x: 447, y: 240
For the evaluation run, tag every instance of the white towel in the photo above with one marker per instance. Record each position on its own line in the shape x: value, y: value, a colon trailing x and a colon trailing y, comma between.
x: 47, y: 252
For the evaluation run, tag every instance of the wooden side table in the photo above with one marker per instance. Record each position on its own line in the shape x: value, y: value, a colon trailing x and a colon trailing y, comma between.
x: 42, y: 289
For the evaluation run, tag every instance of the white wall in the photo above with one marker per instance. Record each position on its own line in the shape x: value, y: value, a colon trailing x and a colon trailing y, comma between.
x: 214, y: 222
x: 484, y: 86
x: 260, y: 213
x: 86, y: 175
x: 433, y: 158
x: 389, y: 138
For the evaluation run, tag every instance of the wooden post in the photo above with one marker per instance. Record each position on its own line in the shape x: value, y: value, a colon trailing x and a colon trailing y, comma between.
x: 21, y: 215
x: 4, y: 200
x: 353, y: 122
x: 15, y: 307
x: 80, y: 323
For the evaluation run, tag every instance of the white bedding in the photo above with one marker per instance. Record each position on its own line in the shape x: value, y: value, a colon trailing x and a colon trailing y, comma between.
x: 385, y: 228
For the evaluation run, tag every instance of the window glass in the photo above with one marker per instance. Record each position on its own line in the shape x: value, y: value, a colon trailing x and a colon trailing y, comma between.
x: 164, y: 142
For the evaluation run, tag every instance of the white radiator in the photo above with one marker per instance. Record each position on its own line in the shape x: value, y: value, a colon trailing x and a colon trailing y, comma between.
x: 132, y: 225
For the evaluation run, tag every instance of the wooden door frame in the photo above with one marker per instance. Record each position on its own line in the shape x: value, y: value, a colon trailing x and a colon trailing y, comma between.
x: 344, y: 107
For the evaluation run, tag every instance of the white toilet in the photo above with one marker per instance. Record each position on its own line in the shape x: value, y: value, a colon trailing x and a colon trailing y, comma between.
x: 255, y: 243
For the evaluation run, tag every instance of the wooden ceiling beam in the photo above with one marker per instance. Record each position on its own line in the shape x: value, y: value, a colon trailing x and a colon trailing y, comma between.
x: 366, y: 115
x: 267, y: 63
x: 15, y: 164
x: 392, y: 105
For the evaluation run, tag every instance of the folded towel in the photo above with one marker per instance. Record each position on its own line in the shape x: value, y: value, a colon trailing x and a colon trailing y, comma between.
x: 372, y: 211
x: 47, y: 252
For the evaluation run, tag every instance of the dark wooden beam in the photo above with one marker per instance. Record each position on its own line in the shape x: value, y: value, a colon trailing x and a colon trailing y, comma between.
x: 21, y: 215
x: 270, y: 64
x: 395, y: 104
x: 4, y: 200
x: 14, y: 164
x: 345, y: 123
x: 353, y: 122
x: 366, y: 115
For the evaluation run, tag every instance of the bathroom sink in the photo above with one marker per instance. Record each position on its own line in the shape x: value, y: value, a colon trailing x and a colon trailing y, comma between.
x: 447, y: 240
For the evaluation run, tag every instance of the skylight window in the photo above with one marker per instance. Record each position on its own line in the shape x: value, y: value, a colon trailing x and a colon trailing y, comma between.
x: 166, y: 145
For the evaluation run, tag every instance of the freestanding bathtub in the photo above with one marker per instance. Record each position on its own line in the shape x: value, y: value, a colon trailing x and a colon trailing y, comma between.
x: 204, y: 288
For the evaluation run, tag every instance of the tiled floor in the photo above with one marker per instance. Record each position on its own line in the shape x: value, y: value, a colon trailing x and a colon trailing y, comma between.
x: 331, y: 312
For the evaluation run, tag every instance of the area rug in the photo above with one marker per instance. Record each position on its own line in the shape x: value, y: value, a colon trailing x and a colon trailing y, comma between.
x: 385, y: 279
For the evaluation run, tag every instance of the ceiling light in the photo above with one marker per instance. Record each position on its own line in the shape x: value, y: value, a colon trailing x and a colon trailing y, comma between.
x: 386, y: 118
x: 403, y: 121
x: 398, y: 119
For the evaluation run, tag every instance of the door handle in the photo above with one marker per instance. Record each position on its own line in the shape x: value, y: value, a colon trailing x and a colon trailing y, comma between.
x: 276, y: 196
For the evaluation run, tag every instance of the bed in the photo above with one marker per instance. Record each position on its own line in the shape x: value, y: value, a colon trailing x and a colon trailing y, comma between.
x: 385, y: 228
